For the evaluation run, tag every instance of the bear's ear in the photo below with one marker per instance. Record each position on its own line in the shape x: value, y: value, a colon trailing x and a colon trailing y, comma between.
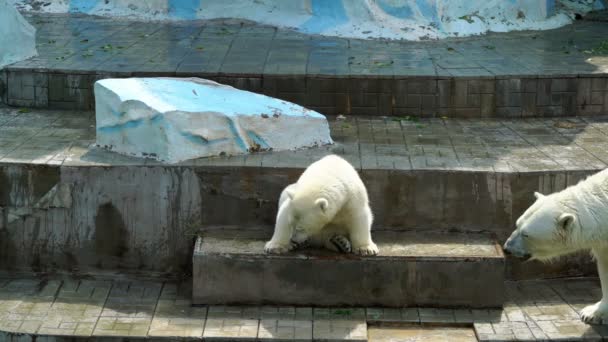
x: 538, y: 195
x: 322, y: 203
x: 565, y: 221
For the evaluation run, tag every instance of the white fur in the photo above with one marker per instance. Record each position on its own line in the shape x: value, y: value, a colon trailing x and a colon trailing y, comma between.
x: 573, y: 219
x: 328, y: 199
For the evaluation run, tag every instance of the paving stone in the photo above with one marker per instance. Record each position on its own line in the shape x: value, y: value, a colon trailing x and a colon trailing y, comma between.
x: 339, y: 314
x: 175, y: 316
x: 286, y: 313
x: 24, y: 303
x: 388, y: 314
x: 224, y: 329
x: 285, y: 330
x: 76, y: 308
x: 129, y: 309
x: 339, y: 330
x: 389, y: 333
x: 536, y: 310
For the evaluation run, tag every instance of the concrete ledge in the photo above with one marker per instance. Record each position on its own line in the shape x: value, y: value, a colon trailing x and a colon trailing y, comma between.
x: 509, y: 96
x: 430, y: 269
x: 470, y: 175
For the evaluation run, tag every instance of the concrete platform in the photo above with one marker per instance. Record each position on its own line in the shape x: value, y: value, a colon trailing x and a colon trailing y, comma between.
x: 67, y: 310
x: 412, y: 269
x: 430, y: 174
x: 550, y: 73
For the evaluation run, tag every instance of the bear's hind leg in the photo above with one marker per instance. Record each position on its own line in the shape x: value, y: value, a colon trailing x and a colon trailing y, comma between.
x: 598, y: 312
x: 338, y: 243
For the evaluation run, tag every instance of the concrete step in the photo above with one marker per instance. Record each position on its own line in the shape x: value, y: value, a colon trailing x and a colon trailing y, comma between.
x: 67, y: 206
x: 471, y: 77
x: 446, y: 269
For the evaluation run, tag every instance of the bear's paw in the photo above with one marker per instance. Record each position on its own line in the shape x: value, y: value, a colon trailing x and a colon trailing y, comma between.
x: 276, y: 248
x: 595, y: 314
x: 369, y: 249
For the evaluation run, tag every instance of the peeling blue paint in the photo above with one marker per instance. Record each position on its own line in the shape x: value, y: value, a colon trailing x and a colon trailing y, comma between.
x: 550, y: 7
x: 325, y: 14
x: 82, y: 6
x: 402, y: 12
x: 429, y: 11
x: 200, y: 140
x: 598, y: 5
x: 192, y: 97
x: 256, y: 139
x: 237, y: 137
x: 351, y: 18
x: 158, y: 119
x: 117, y: 113
x: 194, y: 138
x: 184, y: 9
x: 122, y: 126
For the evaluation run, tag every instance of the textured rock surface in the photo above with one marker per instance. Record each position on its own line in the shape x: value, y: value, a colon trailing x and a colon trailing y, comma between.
x: 17, y: 36
x: 178, y: 119
x: 393, y: 19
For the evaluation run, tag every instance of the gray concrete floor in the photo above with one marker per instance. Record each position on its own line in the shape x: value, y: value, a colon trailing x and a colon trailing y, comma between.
x: 78, y: 42
x: 535, y: 310
x: 502, y: 145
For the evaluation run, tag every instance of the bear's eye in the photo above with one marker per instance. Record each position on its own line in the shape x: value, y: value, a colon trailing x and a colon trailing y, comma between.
x: 525, y: 235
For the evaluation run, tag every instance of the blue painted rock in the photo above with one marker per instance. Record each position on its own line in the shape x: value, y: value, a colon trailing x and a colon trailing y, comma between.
x: 172, y: 120
x: 14, y: 28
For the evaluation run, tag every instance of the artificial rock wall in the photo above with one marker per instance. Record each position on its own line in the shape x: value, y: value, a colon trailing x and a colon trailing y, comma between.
x: 392, y: 19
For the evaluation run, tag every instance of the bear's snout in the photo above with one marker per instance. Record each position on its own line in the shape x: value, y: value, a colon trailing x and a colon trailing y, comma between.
x: 514, y: 246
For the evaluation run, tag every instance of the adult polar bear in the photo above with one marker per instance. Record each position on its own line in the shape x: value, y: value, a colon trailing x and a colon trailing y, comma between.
x: 328, y: 206
x: 573, y: 219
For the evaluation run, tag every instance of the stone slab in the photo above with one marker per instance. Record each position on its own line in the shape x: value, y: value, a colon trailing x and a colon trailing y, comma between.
x: 176, y: 119
x: 447, y: 269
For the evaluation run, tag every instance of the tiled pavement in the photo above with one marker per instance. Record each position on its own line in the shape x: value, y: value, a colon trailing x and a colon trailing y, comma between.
x: 80, y: 42
x: 398, y: 143
x: 535, y: 310
x: 550, y: 73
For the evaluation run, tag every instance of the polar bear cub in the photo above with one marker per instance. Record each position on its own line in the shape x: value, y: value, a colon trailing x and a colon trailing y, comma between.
x: 327, y: 207
x: 573, y: 219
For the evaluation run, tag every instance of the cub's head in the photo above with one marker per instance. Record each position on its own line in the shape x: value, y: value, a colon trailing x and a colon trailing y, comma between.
x: 544, y: 231
x: 308, y: 216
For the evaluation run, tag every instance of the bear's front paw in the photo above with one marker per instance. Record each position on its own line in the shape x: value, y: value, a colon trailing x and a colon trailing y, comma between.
x: 369, y: 249
x: 276, y: 248
x: 595, y: 314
